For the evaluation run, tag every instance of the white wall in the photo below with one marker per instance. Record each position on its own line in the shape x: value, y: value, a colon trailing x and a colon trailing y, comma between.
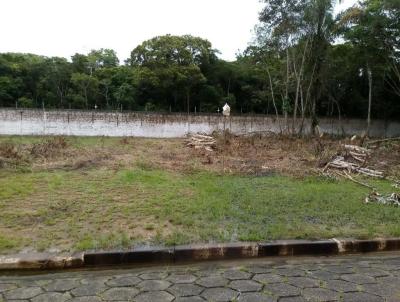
x: 86, y: 123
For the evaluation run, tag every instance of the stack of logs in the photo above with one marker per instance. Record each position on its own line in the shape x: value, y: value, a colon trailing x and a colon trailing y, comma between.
x: 357, y: 158
x: 201, y: 141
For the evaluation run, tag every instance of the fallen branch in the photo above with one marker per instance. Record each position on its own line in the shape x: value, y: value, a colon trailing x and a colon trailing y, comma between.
x: 383, y: 141
x: 341, y: 164
x: 348, y: 176
x: 357, y: 149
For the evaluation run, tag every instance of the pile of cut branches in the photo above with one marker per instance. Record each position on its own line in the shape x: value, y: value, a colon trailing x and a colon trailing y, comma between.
x: 201, y: 141
x: 353, y: 159
x: 392, y: 199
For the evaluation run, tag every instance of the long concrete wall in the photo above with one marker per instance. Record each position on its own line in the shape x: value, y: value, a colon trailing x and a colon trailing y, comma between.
x: 140, y: 124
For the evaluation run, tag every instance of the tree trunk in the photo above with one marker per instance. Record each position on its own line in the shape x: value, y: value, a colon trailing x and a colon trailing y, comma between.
x: 175, y: 98
x: 86, y: 99
x: 299, y: 77
x: 273, y: 99
x: 369, y: 71
x: 287, y: 86
x: 188, y: 100
x: 107, y: 99
x: 308, y: 94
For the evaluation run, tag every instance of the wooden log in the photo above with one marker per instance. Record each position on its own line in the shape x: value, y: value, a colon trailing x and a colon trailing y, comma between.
x: 357, y: 149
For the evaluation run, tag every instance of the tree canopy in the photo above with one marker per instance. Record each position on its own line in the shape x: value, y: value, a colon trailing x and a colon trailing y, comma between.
x: 305, y: 62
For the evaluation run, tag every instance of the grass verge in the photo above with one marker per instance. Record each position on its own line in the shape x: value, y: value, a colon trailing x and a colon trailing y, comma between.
x: 136, y: 202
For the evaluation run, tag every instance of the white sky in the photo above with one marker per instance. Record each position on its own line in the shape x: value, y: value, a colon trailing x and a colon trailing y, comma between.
x: 64, y: 27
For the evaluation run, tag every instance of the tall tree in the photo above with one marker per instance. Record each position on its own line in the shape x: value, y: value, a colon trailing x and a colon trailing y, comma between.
x: 374, y: 35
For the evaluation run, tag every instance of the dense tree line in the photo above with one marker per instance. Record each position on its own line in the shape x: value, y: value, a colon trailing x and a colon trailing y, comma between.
x: 305, y: 62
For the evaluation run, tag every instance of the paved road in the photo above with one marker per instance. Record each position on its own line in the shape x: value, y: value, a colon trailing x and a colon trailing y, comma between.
x: 357, y: 278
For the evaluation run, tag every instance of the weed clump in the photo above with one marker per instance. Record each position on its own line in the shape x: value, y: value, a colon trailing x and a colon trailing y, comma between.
x: 50, y: 147
x: 11, y: 155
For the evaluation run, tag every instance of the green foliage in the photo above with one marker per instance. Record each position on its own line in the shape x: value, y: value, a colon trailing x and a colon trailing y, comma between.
x: 25, y: 102
x: 304, y: 62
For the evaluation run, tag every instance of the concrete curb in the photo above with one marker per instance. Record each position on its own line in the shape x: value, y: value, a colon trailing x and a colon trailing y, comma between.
x: 41, y: 261
x: 193, y: 253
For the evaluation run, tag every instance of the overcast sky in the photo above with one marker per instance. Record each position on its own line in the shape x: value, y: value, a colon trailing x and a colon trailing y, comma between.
x: 64, y: 27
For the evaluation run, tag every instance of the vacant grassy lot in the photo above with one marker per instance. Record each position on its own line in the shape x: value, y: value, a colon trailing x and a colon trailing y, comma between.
x: 97, y: 193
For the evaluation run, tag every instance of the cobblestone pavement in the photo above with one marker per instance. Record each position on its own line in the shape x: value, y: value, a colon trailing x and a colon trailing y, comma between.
x: 357, y: 278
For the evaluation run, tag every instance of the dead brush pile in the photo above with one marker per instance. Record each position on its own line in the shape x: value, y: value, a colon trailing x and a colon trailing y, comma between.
x: 368, y: 159
x: 17, y: 155
x: 49, y: 148
x: 12, y: 155
x: 262, y: 153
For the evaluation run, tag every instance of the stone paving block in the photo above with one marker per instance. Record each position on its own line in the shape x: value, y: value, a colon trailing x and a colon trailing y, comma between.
x: 96, y: 280
x: 216, y: 282
x: 220, y: 294
x: 184, y: 290
x: 189, y: 299
x: 389, y: 280
x: 212, y: 281
x: 52, y: 297
x: 358, y: 279
x: 120, y: 294
x: 268, y: 278
x: 21, y: 282
x: 86, y: 299
x: 290, y: 272
x: 308, y: 267
x: 386, y: 290
x: 182, y: 278
x: 372, y: 272
x: 292, y: 299
x: 338, y: 269
x: 157, y: 296
x: 303, y: 282
x: 341, y: 286
x: 88, y: 290
x: 256, y: 297
x: 245, y: 286
x: 324, y: 275
x: 258, y: 269
x: 42, y: 283
x: 124, y: 281
x: 282, y: 289
x: 320, y: 295
x: 6, y: 286
x: 361, y: 297
x: 384, y: 267
x: 62, y: 285
x: 149, y: 285
x: 153, y: 276
x: 236, y: 274
x: 392, y: 262
x: 22, y: 293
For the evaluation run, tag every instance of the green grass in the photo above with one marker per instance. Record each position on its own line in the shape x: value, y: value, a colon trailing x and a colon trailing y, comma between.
x: 7, y: 243
x: 105, y: 209
x: 117, y: 206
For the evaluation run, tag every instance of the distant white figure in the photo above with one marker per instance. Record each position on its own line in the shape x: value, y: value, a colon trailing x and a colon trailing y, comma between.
x: 226, y: 110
